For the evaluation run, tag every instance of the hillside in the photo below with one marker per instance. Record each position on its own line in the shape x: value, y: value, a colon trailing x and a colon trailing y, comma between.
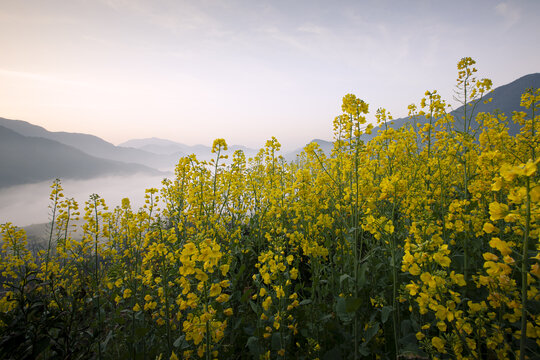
x: 92, y: 145
x: 325, y: 146
x: 163, y: 154
x: 168, y: 147
x: 27, y: 159
x: 506, y: 99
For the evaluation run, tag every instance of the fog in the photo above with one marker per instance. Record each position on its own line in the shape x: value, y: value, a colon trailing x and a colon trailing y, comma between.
x: 24, y: 205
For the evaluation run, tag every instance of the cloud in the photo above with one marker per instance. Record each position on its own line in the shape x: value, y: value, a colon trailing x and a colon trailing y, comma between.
x: 312, y: 29
x: 28, y: 15
x: 173, y: 16
x: 42, y: 77
x: 284, y: 37
x: 510, y: 13
x: 28, y: 204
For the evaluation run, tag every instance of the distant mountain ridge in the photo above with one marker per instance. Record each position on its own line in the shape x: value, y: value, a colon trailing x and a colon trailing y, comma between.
x: 326, y: 147
x: 30, y: 154
x: 506, y: 99
x: 63, y: 149
x: 167, y: 147
x: 164, y: 146
x: 92, y: 145
x: 26, y: 159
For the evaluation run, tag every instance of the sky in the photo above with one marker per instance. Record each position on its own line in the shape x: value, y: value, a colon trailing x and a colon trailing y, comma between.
x: 193, y: 71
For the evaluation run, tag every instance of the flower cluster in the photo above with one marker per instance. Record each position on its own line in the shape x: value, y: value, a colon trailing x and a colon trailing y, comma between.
x: 417, y: 241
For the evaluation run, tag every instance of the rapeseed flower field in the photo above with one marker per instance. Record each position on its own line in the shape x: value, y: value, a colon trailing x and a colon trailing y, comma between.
x: 421, y: 243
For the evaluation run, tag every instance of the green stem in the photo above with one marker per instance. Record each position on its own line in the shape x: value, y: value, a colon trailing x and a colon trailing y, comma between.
x: 166, y: 289
x: 395, y: 304
x: 52, y: 226
x: 96, y: 233
x: 524, y: 267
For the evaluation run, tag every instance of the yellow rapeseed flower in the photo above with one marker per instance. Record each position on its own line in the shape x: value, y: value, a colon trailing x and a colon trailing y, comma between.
x: 215, y: 290
x: 267, y: 302
x: 294, y: 273
x: 489, y: 228
x: 228, y: 312
x: 497, y: 210
x: 438, y: 343
x: 223, y: 298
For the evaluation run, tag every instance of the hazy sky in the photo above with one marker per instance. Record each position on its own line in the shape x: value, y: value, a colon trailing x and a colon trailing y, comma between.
x: 192, y: 71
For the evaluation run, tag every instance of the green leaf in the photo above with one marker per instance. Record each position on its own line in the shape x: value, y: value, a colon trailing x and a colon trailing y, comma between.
x: 253, y: 306
x: 253, y: 345
x: 386, y: 310
x: 179, y: 341
x: 352, y: 304
x: 241, y: 270
x: 325, y: 318
x: 343, y: 278
x: 333, y: 353
x: 341, y: 310
x: 40, y: 345
x: 406, y: 326
x: 305, y: 302
x: 141, y: 331
x: 371, y: 332
x: 362, y: 275
x: 363, y: 350
x: 276, y: 341
x: 107, y: 339
x: 245, y: 296
x: 340, y: 306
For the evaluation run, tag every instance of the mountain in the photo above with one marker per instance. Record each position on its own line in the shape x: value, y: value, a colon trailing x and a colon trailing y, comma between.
x: 26, y: 159
x: 505, y: 99
x: 92, y: 145
x: 165, y: 147
x: 325, y: 146
x: 249, y: 152
x: 156, y: 146
x: 168, y: 147
x: 138, y: 143
x: 164, y: 154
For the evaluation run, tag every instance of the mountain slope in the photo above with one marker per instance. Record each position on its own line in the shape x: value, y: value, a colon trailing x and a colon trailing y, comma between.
x: 92, y: 145
x: 26, y: 159
x: 506, y: 99
x: 326, y: 147
x: 168, y: 147
x: 156, y: 146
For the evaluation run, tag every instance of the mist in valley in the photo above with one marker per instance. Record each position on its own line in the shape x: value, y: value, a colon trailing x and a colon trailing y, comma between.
x: 24, y: 205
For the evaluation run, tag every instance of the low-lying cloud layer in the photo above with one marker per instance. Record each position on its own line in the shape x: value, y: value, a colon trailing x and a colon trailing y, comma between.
x: 29, y: 204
